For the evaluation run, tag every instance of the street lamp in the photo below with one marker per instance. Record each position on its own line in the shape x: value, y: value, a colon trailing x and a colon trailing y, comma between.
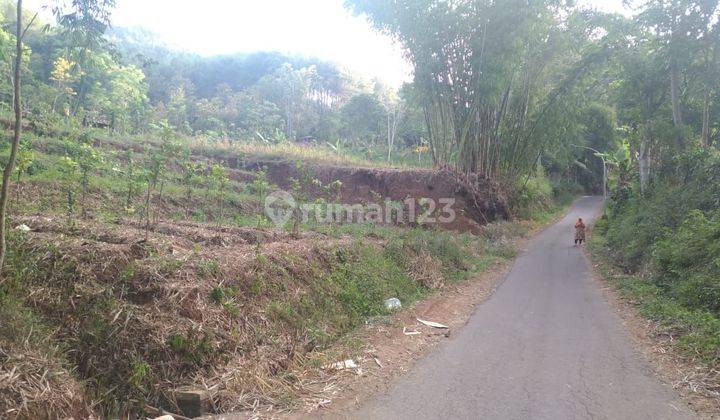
x: 600, y: 155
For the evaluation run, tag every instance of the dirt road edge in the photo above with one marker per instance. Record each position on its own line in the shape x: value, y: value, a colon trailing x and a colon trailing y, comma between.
x: 684, y: 375
x: 391, y: 350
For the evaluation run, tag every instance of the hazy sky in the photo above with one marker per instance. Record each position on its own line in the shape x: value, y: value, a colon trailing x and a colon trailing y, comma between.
x: 319, y: 28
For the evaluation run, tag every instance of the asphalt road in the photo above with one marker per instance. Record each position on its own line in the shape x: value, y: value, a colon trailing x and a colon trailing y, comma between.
x: 546, y: 345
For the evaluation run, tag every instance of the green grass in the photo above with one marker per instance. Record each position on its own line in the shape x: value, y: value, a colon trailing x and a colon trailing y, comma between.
x: 365, y: 275
x: 312, y: 302
x: 109, y: 185
x: 543, y: 217
x: 361, y: 278
x: 697, y: 331
x: 286, y: 151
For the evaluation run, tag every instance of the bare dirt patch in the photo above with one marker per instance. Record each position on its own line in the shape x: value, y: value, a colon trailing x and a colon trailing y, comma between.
x: 477, y: 201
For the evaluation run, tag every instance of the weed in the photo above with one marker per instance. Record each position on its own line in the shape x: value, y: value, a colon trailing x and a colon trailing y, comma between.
x: 192, y: 346
x: 697, y: 330
x: 69, y: 172
x: 219, y: 179
x: 206, y: 268
x: 223, y: 294
x: 140, y: 371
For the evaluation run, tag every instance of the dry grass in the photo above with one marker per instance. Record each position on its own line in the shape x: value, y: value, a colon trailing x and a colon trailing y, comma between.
x: 142, y: 321
x: 306, y: 153
x: 696, y: 380
x: 248, y: 315
x: 33, y: 385
x: 427, y: 270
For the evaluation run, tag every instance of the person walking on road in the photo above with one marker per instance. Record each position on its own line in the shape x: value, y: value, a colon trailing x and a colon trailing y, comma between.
x: 579, y: 232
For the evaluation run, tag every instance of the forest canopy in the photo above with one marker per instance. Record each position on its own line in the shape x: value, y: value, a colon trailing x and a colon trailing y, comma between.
x: 499, y: 87
x: 141, y: 256
x: 123, y: 80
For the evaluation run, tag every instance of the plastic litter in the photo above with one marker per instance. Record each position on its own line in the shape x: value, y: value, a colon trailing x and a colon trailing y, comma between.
x: 410, y: 332
x: 432, y: 324
x: 392, y: 304
x: 344, y: 364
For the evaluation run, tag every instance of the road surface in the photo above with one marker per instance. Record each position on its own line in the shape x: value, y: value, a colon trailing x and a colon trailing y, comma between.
x: 546, y: 345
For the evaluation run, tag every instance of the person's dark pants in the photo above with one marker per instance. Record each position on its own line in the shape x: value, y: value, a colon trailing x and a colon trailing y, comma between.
x: 578, y: 241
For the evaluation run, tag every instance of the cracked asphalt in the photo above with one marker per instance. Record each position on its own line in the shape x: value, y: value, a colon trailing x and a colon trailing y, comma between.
x: 546, y: 345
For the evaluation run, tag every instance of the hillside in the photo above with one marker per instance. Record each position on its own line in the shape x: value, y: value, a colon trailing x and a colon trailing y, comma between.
x: 135, y: 301
x: 267, y: 233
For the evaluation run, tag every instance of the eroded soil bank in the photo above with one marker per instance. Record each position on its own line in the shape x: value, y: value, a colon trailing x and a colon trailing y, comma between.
x: 475, y: 201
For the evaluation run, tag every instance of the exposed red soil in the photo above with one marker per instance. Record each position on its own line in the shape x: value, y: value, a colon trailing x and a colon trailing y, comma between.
x: 145, y: 287
x: 476, y: 201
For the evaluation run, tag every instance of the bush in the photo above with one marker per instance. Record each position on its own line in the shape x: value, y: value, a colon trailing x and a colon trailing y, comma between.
x: 671, y: 236
x: 531, y: 197
x: 637, y: 222
x: 501, y: 235
x: 688, y: 261
x: 565, y: 191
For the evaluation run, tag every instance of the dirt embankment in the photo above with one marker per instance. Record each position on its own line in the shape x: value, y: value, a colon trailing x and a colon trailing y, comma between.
x: 475, y: 202
x: 194, y: 307
x: 247, y: 318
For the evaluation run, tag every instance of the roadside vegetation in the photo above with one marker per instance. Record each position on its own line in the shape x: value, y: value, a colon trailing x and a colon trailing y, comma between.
x: 140, y: 264
x: 253, y: 320
x: 665, y: 245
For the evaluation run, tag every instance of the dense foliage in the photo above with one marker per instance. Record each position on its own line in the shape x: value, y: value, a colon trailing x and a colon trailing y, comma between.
x: 541, y: 96
x: 673, y: 231
x: 81, y: 73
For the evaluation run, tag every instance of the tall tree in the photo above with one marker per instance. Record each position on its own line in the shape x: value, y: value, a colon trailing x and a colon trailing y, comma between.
x: 84, y: 23
x: 17, y: 131
x: 678, y: 25
x: 488, y: 72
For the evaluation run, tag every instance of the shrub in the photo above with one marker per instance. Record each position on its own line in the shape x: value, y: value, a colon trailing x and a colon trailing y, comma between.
x: 688, y: 261
x: 671, y: 236
x: 564, y: 191
x: 530, y: 197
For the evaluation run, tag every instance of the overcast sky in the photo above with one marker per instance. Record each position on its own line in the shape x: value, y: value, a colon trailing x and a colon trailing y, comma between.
x: 318, y: 28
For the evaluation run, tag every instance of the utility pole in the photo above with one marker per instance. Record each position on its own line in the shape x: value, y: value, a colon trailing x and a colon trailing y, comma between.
x: 600, y: 155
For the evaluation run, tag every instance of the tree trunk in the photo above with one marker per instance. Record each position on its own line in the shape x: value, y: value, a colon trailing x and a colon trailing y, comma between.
x: 188, y: 200
x: 147, y: 212
x: 83, y: 194
x: 705, y: 134
x: 392, y: 121
x: 222, y: 202
x: 70, y: 206
x: 675, y: 94
x: 644, y: 166
x: 7, y: 172
x: 389, y: 142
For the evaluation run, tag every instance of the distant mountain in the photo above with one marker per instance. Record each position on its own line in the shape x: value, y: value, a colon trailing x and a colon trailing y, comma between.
x: 165, y: 66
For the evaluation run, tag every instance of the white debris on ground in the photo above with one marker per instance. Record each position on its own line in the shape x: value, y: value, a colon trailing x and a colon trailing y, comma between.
x: 393, y: 304
x: 410, y: 332
x: 344, y: 364
x: 432, y: 324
